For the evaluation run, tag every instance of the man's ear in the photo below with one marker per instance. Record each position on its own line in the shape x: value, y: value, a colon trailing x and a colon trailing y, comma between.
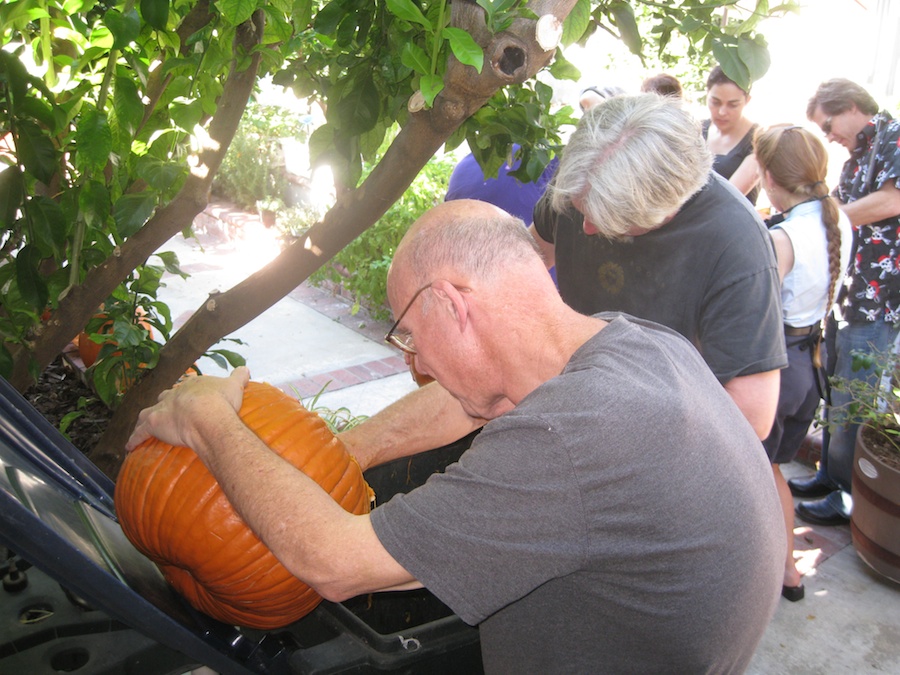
x: 452, y: 300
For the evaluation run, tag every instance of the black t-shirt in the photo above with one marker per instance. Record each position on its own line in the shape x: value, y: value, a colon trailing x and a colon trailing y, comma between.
x: 709, y: 273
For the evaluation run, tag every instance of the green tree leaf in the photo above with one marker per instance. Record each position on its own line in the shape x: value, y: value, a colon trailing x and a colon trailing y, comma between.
x: 321, y: 143
x: 431, y: 86
x: 125, y: 28
x: 156, y: 13
x: 187, y: 114
x: 127, y: 103
x: 750, y: 24
x: 94, y: 140
x: 12, y: 191
x: 67, y: 420
x: 42, y: 111
x: 48, y: 225
x: 415, y: 58
x: 464, y: 47
x: 576, y: 23
x: 132, y: 211
x: 160, y: 175
x: 732, y: 65
x: 277, y: 29
x: 562, y: 69
x: 16, y: 77
x: 623, y: 14
x: 94, y: 203
x: 171, y: 264
x: 301, y: 10
x: 406, y: 10
x: 328, y: 18
x: 36, y: 151
x: 237, y: 11
x: 224, y: 357
x: 31, y: 286
x: 755, y: 55
x: 359, y: 109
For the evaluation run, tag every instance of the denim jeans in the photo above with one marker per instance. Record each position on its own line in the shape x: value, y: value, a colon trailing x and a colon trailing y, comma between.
x: 836, y: 467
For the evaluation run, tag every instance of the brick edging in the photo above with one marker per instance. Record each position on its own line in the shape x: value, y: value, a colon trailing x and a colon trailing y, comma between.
x: 334, y: 380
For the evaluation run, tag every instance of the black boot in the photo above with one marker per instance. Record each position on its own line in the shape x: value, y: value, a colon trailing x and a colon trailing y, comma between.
x: 809, y: 488
x: 827, y: 511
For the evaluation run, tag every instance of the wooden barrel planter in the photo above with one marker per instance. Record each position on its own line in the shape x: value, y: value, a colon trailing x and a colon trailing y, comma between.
x: 875, y: 521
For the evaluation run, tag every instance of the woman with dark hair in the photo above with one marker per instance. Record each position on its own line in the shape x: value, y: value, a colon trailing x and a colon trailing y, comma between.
x: 812, y: 237
x: 729, y: 134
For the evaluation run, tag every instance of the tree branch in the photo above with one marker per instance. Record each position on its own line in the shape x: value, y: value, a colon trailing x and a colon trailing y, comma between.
x: 511, y: 56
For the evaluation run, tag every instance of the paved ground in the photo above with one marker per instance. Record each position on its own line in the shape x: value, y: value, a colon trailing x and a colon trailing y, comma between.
x: 849, y: 621
x: 307, y: 342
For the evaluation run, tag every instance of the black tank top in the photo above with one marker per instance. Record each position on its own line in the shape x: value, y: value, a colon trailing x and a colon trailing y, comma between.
x: 726, y: 165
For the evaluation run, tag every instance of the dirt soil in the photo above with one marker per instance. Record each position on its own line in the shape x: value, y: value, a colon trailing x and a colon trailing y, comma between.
x: 60, y: 391
x: 885, y: 450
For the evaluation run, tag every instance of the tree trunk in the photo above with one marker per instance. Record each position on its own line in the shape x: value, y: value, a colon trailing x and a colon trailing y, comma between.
x: 510, y: 57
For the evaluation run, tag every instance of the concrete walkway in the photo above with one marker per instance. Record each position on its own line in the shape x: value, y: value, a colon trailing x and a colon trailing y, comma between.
x: 307, y: 343
x: 849, y: 621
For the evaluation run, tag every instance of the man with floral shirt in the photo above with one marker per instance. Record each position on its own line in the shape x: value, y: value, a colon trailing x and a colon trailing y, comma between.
x: 868, y: 310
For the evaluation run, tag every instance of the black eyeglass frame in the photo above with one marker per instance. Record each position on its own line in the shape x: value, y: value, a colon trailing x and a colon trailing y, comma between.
x: 391, y: 338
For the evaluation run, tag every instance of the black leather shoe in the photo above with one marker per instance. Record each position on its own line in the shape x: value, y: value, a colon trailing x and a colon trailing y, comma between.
x: 809, y: 488
x: 821, y: 512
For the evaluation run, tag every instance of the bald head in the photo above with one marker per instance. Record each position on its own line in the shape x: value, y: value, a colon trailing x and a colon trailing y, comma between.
x: 474, y: 300
x: 464, y: 237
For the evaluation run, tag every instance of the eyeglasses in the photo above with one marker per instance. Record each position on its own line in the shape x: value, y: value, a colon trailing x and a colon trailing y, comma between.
x: 404, y: 342
x: 826, y: 125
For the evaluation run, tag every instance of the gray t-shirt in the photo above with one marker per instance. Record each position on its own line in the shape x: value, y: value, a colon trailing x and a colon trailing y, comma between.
x: 709, y: 273
x: 622, y: 518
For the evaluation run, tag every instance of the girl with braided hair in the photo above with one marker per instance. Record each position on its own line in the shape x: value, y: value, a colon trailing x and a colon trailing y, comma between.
x: 812, y: 239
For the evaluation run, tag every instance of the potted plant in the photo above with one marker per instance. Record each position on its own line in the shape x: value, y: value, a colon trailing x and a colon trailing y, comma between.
x: 875, y: 406
x: 268, y: 209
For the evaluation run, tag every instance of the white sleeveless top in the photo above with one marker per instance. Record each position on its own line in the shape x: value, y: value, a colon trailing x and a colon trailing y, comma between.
x: 804, y: 291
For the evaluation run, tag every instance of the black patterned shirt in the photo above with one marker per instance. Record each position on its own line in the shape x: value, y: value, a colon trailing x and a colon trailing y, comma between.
x: 873, y: 286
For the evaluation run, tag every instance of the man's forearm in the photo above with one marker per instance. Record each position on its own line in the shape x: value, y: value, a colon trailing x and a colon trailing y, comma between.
x: 423, y: 420
x: 337, y: 553
x: 874, y: 207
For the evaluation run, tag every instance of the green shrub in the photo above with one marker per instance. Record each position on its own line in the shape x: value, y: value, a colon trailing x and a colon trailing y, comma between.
x: 362, y: 266
x: 253, y: 169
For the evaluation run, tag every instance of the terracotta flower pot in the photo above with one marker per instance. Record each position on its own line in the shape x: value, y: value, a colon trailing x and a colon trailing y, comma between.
x: 875, y: 521
x: 268, y: 217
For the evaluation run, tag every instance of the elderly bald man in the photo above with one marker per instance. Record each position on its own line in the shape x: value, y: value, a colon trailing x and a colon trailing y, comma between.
x: 564, y: 531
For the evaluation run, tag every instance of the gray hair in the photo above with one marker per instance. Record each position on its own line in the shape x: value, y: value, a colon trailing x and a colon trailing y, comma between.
x: 632, y: 163
x: 476, y: 245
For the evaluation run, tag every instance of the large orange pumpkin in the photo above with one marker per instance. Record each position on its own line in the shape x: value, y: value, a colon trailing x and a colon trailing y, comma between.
x: 173, y: 511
